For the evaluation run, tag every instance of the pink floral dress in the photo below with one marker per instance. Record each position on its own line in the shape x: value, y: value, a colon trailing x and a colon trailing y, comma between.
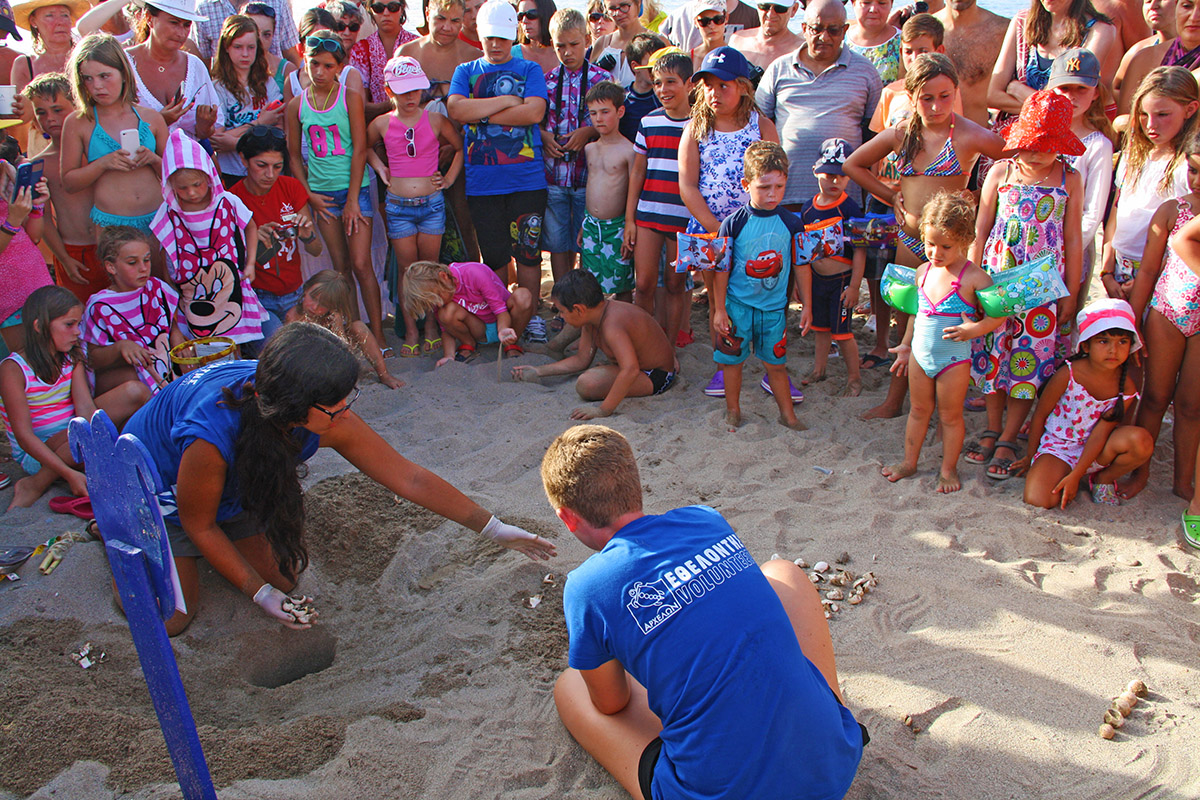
x: 1071, y: 421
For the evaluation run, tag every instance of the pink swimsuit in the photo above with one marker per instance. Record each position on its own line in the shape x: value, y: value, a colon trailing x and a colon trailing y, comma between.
x: 1071, y: 422
x: 1177, y: 293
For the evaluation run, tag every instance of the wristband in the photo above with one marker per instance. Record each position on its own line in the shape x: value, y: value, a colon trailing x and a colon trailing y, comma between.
x: 11, y: 230
x: 36, y: 212
x: 308, y: 240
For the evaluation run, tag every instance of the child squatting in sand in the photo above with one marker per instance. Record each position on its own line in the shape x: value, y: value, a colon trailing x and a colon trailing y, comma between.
x: 641, y: 360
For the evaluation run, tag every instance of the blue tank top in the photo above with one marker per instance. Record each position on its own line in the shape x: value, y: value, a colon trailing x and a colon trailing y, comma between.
x: 101, y: 144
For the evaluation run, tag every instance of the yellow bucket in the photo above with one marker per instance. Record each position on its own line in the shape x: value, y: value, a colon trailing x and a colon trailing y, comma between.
x: 195, y: 353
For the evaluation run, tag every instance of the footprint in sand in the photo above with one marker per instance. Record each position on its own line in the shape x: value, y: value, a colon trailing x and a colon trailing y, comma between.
x: 1182, y: 586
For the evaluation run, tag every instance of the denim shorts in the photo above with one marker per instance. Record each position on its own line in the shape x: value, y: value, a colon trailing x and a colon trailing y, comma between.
x: 337, y: 201
x: 408, y: 216
x: 277, y: 306
x: 563, y: 219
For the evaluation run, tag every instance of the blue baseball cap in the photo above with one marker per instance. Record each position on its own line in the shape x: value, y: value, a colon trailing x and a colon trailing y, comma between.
x: 725, y: 63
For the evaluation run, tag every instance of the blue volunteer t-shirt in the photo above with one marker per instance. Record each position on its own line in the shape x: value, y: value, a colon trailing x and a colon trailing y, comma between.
x: 188, y: 409
x: 762, y: 255
x: 501, y: 159
x: 681, y: 604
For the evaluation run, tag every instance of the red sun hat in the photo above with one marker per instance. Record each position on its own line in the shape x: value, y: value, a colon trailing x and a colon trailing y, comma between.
x: 1045, y: 126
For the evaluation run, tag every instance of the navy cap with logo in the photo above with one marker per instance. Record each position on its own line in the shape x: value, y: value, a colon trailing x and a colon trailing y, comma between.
x: 8, y: 23
x: 834, y: 153
x: 724, y: 63
x: 1076, y: 66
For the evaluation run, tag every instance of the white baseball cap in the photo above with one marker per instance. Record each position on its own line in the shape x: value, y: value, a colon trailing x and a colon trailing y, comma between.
x: 184, y: 9
x: 497, y: 19
x: 403, y: 74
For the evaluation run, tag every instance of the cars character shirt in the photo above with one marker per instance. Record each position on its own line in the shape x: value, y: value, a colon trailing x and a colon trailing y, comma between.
x: 762, y: 255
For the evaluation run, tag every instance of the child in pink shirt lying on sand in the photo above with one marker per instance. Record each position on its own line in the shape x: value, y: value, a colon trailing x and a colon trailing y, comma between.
x: 472, y: 305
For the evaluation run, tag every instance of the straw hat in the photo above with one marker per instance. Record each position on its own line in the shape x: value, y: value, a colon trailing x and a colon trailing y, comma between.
x: 1044, y: 126
x: 21, y: 11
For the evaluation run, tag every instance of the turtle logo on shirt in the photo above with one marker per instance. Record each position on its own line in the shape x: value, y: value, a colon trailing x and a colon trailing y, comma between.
x: 651, y: 604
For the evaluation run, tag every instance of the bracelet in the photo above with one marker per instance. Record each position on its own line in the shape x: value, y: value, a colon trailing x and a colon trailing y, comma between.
x: 308, y: 240
x: 11, y: 230
x: 1109, y: 274
x: 36, y: 212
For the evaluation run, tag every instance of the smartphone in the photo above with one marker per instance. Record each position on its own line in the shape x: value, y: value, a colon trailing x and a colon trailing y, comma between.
x: 273, y: 106
x: 28, y: 174
x: 130, y: 141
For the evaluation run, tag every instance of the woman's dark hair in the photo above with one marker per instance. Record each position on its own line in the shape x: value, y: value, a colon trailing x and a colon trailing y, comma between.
x: 1038, y: 22
x: 301, y: 366
x: 262, y: 139
x: 314, y: 19
x: 10, y: 149
x: 578, y: 287
x: 545, y: 9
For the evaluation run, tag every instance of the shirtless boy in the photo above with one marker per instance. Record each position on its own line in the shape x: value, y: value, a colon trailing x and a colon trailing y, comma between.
x: 973, y: 40
x: 603, y: 247
x: 772, y: 38
x: 72, y: 237
x: 641, y: 360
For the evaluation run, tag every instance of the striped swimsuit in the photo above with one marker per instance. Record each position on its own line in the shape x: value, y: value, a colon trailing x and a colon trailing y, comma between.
x: 50, y: 409
x: 934, y: 354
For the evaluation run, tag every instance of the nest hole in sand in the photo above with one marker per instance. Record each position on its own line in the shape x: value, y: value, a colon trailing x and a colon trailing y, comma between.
x: 277, y: 658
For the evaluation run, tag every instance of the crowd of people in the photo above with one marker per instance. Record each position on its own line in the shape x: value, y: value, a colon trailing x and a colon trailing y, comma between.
x: 181, y: 171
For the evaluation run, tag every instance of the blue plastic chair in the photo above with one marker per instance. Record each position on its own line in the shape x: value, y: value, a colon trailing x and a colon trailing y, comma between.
x: 122, y: 483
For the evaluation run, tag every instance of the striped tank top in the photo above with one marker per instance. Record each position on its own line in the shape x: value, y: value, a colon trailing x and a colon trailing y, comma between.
x: 50, y: 404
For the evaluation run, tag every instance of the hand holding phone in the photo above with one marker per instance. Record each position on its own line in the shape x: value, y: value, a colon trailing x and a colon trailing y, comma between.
x: 28, y: 176
x: 130, y: 141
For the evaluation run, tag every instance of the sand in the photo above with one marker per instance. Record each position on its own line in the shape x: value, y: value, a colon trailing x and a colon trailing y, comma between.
x: 999, y: 632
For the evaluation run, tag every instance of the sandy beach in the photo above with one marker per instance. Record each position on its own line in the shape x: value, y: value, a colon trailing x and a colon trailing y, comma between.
x: 998, y: 632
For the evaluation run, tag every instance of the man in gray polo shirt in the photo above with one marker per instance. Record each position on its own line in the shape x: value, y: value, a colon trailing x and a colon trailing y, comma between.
x: 821, y: 91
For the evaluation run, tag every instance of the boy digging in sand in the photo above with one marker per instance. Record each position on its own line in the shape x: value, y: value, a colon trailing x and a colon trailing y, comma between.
x: 642, y: 361
x: 750, y: 301
x: 604, y: 249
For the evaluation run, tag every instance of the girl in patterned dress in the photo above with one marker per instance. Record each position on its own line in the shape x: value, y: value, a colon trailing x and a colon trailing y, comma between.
x: 1031, y: 206
x: 725, y: 121
x: 1081, y: 428
x: 1171, y: 290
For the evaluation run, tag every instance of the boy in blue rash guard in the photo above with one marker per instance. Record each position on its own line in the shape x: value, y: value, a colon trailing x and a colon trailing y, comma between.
x: 750, y: 300
x: 693, y: 673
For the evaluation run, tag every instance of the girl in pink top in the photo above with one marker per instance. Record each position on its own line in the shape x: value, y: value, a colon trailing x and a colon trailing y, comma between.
x: 22, y: 267
x: 416, y: 212
x: 472, y: 306
x: 44, y: 386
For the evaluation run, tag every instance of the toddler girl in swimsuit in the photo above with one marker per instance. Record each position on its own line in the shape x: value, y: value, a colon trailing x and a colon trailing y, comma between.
x: 210, y: 240
x: 1151, y: 171
x: 416, y: 211
x: 725, y: 121
x: 1171, y: 289
x: 328, y: 301
x: 936, y: 150
x: 126, y: 189
x: 936, y: 352
x: 44, y: 386
x: 1031, y: 206
x: 330, y: 118
x: 1081, y: 427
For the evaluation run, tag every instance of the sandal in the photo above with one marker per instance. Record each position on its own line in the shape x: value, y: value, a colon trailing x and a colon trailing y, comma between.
x: 387, y: 351
x: 1191, y: 529
x: 79, y: 506
x: 1103, y: 493
x: 983, y: 454
x: 432, y: 345
x: 684, y: 338
x: 557, y: 323
x: 513, y: 349
x: 410, y: 350
x: 1002, y: 464
x: 5, y: 481
x: 465, y: 353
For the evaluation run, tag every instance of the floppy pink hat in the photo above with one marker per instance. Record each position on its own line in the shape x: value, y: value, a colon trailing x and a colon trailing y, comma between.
x: 1105, y: 315
x: 1045, y: 126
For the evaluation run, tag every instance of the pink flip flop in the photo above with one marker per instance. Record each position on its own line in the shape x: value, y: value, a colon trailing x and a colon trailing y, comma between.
x: 79, y: 506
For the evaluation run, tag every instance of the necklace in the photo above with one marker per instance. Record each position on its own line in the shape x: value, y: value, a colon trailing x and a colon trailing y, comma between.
x: 313, y: 98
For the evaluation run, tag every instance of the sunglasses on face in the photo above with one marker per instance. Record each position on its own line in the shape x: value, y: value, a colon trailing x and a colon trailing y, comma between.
x: 335, y: 414
x: 260, y: 10
x: 532, y: 15
x: 394, y: 8
x: 704, y: 22
x: 765, y: 7
x: 834, y: 31
x: 315, y: 44
x: 596, y: 16
x: 620, y: 8
x: 353, y: 27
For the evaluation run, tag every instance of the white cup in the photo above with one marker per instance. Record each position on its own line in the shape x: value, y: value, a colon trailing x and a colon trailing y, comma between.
x: 7, y: 95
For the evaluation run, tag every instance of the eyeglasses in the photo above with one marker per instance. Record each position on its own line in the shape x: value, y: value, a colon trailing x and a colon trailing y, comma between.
x: 704, y: 22
x: 260, y: 10
x: 335, y: 414
x: 834, y: 31
x: 596, y: 16
x: 411, y: 146
x: 394, y: 8
x: 317, y: 43
x: 620, y: 7
x: 353, y: 27
x: 765, y: 7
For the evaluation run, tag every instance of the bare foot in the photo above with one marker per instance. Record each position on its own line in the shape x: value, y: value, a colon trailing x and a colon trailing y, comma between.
x: 26, y: 492
x: 794, y: 424
x: 881, y: 412
x: 733, y: 419
x: 1134, y: 483
x: 948, y: 483
x: 853, y: 389
x: 898, y: 472
x: 811, y: 378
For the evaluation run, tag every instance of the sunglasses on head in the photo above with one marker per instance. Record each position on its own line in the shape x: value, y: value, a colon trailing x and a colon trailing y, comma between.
x: 394, y: 8
x: 317, y: 43
x: 335, y: 414
x: 260, y: 10
x: 778, y: 9
x: 596, y: 16
x: 704, y: 22
x: 353, y: 27
x: 266, y: 132
x: 532, y: 15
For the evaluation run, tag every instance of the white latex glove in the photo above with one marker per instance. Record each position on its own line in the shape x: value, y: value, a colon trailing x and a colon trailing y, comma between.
x: 271, y: 601
x: 518, y: 539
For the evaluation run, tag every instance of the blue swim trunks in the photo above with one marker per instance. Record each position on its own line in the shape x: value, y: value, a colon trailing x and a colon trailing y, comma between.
x: 766, y: 331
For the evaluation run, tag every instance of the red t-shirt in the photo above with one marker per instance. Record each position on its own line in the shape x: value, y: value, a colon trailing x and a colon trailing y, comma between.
x: 281, y: 275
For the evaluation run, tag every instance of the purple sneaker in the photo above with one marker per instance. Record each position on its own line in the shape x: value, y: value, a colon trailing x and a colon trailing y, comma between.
x: 716, y: 387
x: 797, y: 395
